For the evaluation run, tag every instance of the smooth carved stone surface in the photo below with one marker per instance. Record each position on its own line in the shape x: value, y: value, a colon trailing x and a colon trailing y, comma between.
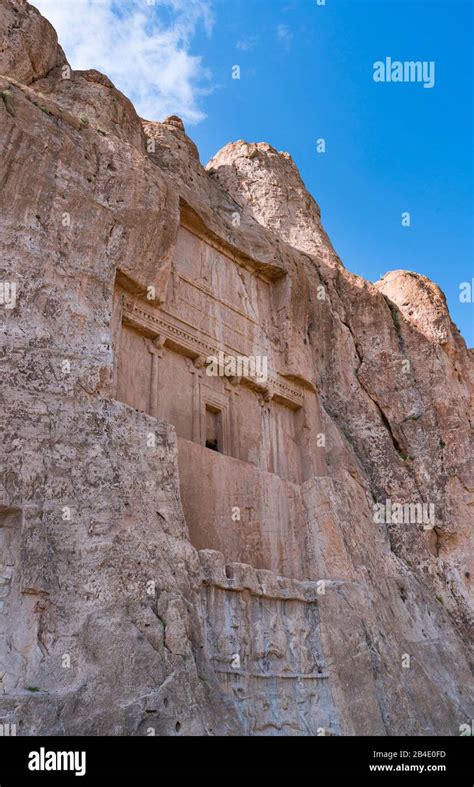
x: 123, y: 458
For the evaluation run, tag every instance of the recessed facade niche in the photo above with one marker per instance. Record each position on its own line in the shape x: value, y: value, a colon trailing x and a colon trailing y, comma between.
x: 213, y: 429
x: 215, y: 305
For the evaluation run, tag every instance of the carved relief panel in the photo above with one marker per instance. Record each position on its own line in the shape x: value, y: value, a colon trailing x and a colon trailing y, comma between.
x: 263, y: 640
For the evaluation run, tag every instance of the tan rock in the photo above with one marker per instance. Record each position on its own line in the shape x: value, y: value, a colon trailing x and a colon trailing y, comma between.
x: 176, y: 544
x: 29, y: 48
x: 267, y: 183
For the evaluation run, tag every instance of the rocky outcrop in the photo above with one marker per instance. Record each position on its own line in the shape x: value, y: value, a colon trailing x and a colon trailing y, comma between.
x: 423, y: 305
x: 118, y: 613
x: 29, y: 49
x: 268, y: 184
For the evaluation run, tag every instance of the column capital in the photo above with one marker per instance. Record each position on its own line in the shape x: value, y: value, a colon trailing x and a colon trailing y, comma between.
x: 155, y: 346
x: 199, y: 363
x: 267, y: 393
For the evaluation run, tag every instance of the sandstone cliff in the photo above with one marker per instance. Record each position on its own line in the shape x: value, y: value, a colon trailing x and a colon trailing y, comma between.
x: 131, y: 598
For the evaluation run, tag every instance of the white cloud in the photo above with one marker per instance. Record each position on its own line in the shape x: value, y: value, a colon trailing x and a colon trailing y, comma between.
x: 246, y: 43
x: 284, y: 35
x: 143, y: 46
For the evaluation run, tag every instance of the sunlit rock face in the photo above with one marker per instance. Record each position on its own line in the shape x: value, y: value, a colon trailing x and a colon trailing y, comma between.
x: 237, y: 495
x: 268, y: 184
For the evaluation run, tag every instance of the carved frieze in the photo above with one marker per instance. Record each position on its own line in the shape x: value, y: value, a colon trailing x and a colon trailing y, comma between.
x: 186, y: 339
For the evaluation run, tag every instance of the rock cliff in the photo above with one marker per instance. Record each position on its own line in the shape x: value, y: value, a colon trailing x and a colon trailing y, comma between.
x: 308, y: 575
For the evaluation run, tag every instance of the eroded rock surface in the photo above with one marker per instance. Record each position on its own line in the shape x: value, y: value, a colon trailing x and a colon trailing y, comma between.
x: 184, y: 553
x: 29, y: 48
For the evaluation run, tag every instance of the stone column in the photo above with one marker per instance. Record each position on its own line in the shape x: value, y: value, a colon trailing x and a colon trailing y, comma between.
x: 267, y: 449
x: 264, y: 450
x: 155, y: 348
x: 196, y: 370
x: 232, y: 388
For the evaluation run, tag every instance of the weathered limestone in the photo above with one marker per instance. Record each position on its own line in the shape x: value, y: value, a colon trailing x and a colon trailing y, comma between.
x: 30, y: 47
x: 160, y: 526
x: 262, y: 638
x: 268, y: 183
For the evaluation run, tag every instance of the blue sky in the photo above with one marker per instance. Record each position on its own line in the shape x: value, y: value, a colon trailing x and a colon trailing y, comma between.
x: 306, y: 73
